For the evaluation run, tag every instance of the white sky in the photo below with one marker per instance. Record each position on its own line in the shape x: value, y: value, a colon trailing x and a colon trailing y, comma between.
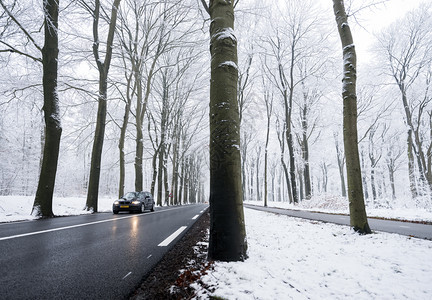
x: 374, y: 19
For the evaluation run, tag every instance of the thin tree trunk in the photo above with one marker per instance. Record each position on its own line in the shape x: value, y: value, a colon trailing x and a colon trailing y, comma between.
x: 301, y: 186
x: 266, y: 162
x: 186, y: 180
x: 180, y: 193
x: 307, y: 177
x: 392, y: 183
x: 121, y: 151
x: 364, y: 177
x: 168, y: 199
x: 155, y: 172
x: 139, y: 142
x: 175, y: 164
x: 341, y: 163
x: 103, y: 68
x: 42, y: 206
x: 411, y: 166
x: 257, y: 175
x: 160, y: 175
x: 122, y: 139
x: 285, y: 169
x: 358, y: 218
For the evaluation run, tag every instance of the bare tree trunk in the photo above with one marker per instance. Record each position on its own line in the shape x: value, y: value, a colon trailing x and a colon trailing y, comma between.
x: 373, y: 186
x: 301, y: 185
x: 168, y: 199
x: 139, y: 142
x: 175, y: 166
x: 341, y: 164
x: 358, y: 218
x: 269, y: 109
x: 258, y: 195
x: 180, y: 193
x: 103, y: 68
x: 186, y: 181
x: 160, y: 175
x: 392, y: 179
x: 121, y: 151
x: 305, y: 152
x: 42, y: 206
x: 364, y: 177
x: 227, y: 229
x: 281, y: 138
x: 123, y: 136
x: 411, y: 166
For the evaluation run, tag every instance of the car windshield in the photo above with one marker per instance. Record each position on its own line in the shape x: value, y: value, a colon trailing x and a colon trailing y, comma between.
x: 129, y: 196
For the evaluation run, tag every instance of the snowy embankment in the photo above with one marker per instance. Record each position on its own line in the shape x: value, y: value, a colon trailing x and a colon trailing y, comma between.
x: 292, y: 258
x: 18, y: 208
x: 401, y: 210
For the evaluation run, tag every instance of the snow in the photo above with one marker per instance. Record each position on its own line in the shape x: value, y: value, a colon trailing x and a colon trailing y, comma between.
x: 18, y: 208
x: 228, y: 64
x: 292, y: 258
x: 401, y: 210
x: 225, y: 33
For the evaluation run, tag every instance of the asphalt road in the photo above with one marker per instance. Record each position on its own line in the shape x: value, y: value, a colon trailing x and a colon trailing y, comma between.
x: 405, y: 228
x: 99, y: 256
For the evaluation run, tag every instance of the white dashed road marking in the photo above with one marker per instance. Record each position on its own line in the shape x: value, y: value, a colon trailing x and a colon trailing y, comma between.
x: 172, y: 237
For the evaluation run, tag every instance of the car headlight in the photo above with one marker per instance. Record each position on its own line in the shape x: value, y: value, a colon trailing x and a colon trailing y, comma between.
x: 135, y: 202
x: 116, y: 203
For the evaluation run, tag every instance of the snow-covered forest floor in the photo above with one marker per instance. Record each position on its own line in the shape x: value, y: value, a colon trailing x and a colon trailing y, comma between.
x: 291, y: 258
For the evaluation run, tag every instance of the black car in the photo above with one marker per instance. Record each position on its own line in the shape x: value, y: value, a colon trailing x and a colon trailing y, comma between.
x: 134, y: 202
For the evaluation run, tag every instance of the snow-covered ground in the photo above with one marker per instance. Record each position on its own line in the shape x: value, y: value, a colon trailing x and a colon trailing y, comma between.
x: 18, y: 208
x: 402, y: 210
x: 292, y: 258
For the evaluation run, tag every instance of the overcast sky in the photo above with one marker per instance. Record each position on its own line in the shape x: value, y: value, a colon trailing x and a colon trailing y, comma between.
x: 372, y: 20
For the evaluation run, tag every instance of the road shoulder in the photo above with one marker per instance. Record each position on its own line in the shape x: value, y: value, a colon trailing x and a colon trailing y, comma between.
x: 166, y: 274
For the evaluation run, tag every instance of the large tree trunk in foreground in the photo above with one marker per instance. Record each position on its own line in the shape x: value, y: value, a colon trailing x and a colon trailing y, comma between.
x: 358, y: 218
x: 227, y: 228
x: 42, y: 206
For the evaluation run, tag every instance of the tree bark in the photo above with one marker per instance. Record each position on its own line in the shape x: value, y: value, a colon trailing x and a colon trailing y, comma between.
x: 281, y: 139
x: 123, y: 135
x: 341, y: 163
x: 42, y: 206
x: 305, y: 152
x: 227, y: 228
x: 269, y: 109
x: 103, y: 68
x: 139, y: 142
x: 358, y: 218
x: 411, y: 166
x: 258, y: 195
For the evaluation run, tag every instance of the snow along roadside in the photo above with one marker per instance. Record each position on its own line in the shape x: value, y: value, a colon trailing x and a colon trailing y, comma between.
x: 292, y: 258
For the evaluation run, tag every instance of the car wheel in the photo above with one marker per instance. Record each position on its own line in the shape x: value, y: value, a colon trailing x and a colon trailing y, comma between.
x: 152, y: 209
x: 142, y: 208
x: 115, y: 212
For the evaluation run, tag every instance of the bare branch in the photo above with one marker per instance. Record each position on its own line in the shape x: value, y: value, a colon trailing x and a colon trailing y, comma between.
x: 20, y: 26
x: 204, y: 3
x: 14, y: 50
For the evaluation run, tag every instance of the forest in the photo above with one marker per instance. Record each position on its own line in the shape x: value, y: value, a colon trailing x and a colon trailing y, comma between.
x: 132, y: 94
